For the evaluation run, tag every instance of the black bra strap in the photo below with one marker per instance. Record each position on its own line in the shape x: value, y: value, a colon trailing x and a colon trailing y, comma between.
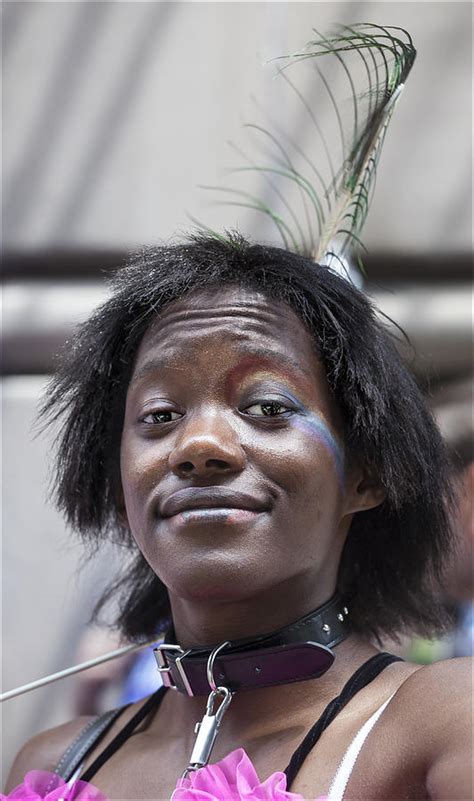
x: 88, y: 737
x: 151, y: 705
x: 360, y: 679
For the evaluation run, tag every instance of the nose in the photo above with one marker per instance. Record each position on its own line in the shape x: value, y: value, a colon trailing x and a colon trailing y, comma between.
x: 208, y: 447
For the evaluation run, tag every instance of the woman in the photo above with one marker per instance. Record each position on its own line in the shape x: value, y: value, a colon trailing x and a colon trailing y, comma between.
x: 239, y: 413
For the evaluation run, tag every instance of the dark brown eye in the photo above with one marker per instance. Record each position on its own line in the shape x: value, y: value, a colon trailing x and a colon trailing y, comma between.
x: 165, y: 416
x: 266, y: 409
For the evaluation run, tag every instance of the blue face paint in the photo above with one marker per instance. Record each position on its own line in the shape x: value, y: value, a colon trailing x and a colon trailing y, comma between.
x: 307, y: 421
x: 311, y: 424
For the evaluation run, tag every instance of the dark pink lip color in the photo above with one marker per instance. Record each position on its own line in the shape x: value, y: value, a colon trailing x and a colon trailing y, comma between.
x: 214, y: 515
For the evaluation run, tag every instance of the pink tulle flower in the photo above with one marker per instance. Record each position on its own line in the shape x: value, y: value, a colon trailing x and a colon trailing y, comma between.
x: 40, y: 785
x: 233, y: 779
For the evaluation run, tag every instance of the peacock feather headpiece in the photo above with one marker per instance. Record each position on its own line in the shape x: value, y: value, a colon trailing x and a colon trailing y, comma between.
x: 317, y: 172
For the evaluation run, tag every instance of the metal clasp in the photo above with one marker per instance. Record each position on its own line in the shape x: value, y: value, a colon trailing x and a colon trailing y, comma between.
x: 208, y: 728
x: 164, y: 668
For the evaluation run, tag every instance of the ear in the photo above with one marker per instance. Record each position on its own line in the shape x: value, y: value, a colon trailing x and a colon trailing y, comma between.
x: 363, y: 490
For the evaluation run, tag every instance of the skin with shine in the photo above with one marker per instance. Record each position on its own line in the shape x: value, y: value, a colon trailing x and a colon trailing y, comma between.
x: 239, y: 492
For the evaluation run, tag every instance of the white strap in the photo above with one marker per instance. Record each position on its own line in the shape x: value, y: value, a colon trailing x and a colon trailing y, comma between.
x: 74, y: 778
x: 339, y: 783
x: 72, y: 781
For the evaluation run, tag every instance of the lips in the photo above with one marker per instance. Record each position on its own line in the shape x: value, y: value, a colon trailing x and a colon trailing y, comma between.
x: 210, y: 498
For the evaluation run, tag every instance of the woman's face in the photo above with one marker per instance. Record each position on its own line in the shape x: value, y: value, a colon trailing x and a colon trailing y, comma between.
x: 232, y: 461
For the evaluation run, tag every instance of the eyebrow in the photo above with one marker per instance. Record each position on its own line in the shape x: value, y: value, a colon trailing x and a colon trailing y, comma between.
x: 269, y: 355
x: 258, y: 358
x: 153, y: 366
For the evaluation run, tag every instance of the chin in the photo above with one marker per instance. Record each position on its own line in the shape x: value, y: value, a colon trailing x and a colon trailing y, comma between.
x: 216, y: 579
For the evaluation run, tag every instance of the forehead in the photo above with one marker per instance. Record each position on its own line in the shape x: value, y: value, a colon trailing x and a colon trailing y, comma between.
x: 232, y: 317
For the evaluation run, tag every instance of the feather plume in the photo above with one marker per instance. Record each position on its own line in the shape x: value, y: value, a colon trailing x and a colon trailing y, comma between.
x: 316, y: 186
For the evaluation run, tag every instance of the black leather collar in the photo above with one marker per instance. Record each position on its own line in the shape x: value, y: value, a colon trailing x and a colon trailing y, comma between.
x: 299, y: 651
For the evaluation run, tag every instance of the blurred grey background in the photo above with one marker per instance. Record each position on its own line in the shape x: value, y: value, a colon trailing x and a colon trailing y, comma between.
x: 113, y: 114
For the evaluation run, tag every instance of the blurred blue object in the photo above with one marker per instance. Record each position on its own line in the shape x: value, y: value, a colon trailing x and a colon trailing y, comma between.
x: 464, y: 634
x: 142, y: 679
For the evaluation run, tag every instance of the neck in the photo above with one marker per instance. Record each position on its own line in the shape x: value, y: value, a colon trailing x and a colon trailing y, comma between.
x: 202, y: 622
x: 253, y: 711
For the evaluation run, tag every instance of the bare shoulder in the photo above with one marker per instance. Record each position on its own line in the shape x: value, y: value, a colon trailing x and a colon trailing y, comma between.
x: 438, y: 694
x: 44, y: 751
x: 446, y: 680
x: 435, y: 702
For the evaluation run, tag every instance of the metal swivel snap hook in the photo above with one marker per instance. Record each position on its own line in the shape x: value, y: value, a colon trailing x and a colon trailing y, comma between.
x: 208, y: 728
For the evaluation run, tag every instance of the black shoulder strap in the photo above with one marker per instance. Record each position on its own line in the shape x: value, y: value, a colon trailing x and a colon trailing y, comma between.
x: 87, y: 739
x: 360, y: 679
x: 150, y: 706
